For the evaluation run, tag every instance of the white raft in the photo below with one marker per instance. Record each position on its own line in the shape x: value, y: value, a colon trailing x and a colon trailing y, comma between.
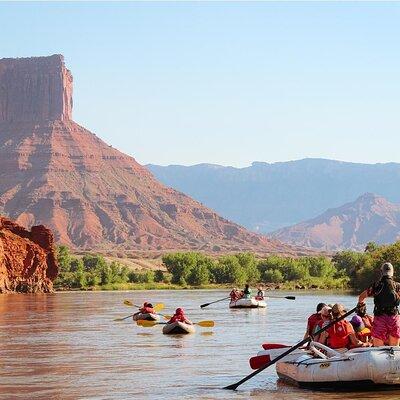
x: 146, y: 317
x: 248, y: 303
x: 178, y: 328
x: 324, y: 367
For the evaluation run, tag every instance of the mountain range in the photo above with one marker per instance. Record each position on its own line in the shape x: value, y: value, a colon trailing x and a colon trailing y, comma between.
x: 351, y: 226
x: 266, y: 197
x: 57, y: 173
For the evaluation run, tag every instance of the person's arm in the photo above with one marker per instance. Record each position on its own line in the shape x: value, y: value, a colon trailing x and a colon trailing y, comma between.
x: 363, y: 296
x: 188, y: 321
x: 355, y: 342
x: 323, y: 337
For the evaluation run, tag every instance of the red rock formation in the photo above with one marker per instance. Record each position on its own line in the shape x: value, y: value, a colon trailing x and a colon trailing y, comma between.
x: 55, y: 172
x: 27, y: 258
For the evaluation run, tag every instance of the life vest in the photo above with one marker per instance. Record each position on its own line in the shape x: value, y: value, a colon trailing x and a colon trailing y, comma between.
x: 338, y: 334
x: 386, y: 299
x: 147, y: 310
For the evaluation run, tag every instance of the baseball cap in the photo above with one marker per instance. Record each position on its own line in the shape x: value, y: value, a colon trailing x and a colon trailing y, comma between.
x: 387, y: 269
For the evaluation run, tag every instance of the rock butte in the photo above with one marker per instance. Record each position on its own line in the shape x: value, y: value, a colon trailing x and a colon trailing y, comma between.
x: 57, y: 173
x: 27, y: 258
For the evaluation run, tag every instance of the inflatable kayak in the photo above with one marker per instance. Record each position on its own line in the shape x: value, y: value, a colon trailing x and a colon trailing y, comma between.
x: 248, y: 303
x: 322, y: 367
x: 176, y: 328
x: 146, y: 317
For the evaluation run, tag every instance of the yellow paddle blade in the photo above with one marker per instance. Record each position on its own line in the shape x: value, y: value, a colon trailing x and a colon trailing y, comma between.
x: 158, y: 307
x: 128, y: 303
x: 119, y: 319
x: 167, y: 317
x: 206, y: 324
x: 146, y: 324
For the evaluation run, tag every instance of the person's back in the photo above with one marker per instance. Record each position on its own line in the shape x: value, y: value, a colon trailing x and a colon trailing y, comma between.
x: 179, y: 316
x: 386, y: 294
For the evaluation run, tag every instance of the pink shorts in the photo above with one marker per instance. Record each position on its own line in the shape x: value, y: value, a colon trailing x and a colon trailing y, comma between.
x: 385, y: 326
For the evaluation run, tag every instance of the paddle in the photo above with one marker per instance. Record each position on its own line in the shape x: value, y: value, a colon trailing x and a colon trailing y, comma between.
x: 216, y: 301
x: 149, y: 324
x: 281, y: 297
x: 284, y: 354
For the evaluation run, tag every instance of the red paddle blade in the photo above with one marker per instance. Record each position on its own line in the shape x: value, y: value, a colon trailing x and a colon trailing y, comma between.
x: 259, y: 361
x: 271, y: 346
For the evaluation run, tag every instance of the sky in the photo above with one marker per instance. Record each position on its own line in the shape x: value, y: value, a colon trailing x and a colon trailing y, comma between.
x: 225, y: 82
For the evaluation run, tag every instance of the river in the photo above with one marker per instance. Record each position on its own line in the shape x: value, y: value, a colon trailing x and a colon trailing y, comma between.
x: 67, y: 346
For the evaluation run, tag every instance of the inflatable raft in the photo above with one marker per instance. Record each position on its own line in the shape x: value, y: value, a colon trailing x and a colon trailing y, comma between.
x: 146, y: 317
x: 323, y: 367
x: 248, y: 303
x: 178, y: 328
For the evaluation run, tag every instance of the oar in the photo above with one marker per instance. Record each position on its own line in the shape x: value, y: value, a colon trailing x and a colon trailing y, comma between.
x: 158, y: 307
x: 284, y: 354
x: 149, y: 324
x: 216, y: 301
x: 280, y: 297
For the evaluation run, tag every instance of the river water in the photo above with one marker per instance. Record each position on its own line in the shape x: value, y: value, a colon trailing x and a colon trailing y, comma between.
x: 67, y: 346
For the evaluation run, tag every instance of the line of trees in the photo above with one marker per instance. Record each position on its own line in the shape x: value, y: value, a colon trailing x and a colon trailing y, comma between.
x: 346, y: 269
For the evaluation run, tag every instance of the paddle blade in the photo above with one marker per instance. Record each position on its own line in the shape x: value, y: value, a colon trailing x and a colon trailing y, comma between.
x: 258, y: 361
x: 290, y: 297
x: 205, y: 305
x: 271, y: 346
x: 158, y: 307
x: 167, y: 317
x: 128, y: 303
x: 119, y: 319
x: 146, y: 324
x: 206, y: 324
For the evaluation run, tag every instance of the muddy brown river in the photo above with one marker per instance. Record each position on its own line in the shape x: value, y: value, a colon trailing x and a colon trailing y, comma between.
x: 67, y: 346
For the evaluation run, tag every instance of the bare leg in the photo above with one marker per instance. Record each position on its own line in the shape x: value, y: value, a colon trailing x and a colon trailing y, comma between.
x: 393, y: 341
x: 377, y: 342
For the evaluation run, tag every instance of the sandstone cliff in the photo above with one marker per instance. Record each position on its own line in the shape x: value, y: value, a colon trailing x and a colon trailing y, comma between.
x: 27, y: 258
x: 55, y: 172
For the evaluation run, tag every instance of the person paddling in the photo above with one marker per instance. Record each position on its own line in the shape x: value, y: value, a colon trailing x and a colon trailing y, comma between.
x: 180, y: 316
x: 386, y: 294
x: 247, y: 292
x: 147, y: 308
x: 260, y: 294
x: 341, y: 334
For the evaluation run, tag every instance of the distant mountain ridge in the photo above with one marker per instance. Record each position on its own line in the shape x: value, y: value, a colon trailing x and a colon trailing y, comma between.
x: 353, y: 225
x: 265, y: 197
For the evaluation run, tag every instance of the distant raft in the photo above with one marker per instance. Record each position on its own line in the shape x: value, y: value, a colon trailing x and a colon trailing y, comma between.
x: 178, y: 328
x: 323, y: 367
x: 146, y: 317
x: 248, y: 303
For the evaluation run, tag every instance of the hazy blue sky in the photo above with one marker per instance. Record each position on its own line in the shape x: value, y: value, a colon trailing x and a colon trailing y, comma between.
x: 228, y: 83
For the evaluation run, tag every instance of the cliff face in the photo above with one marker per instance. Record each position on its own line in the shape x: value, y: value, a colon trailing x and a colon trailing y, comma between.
x: 27, y: 258
x: 55, y: 172
x: 35, y: 89
x: 351, y: 226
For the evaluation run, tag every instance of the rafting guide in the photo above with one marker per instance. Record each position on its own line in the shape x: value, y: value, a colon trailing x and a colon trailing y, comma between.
x: 386, y: 294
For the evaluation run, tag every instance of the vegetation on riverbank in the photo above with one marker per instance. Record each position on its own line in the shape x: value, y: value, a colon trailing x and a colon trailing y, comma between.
x: 345, y: 270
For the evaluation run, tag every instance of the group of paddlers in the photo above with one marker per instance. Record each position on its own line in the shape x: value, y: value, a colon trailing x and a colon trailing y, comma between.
x: 237, y: 294
x: 363, y: 330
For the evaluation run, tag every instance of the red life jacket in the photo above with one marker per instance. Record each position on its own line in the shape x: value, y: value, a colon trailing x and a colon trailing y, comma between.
x: 177, y: 318
x: 338, y: 334
x: 147, y: 310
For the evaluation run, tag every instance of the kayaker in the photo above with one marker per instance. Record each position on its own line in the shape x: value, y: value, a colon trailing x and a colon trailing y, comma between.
x: 341, y: 334
x: 147, y: 308
x: 313, y: 320
x: 246, y: 292
x: 326, y: 317
x: 386, y: 294
x: 180, y: 316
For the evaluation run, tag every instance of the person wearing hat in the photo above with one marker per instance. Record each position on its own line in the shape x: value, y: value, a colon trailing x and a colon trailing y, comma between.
x: 386, y: 294
x: 326, y: 318
x: 341, y: 334
x: 313, y: 320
